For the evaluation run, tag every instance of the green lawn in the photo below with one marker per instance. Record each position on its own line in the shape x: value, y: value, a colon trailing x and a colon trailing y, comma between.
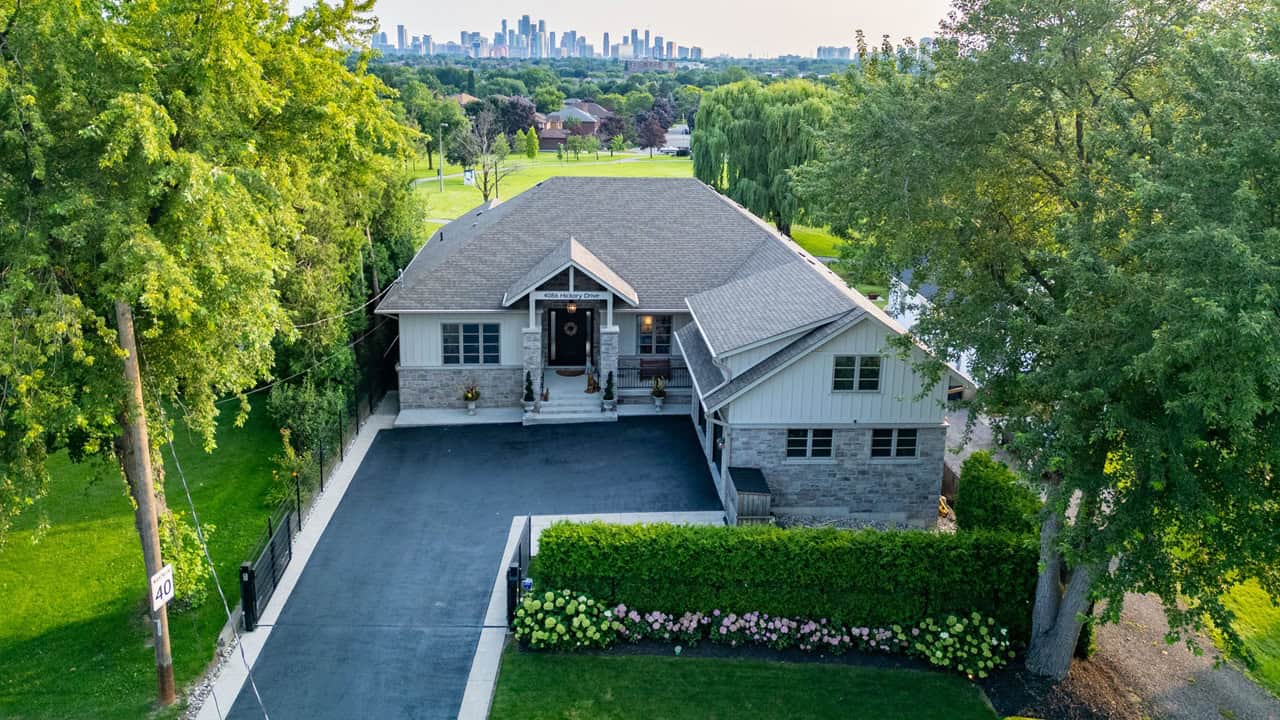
x: 535, y: 686
x: 418, y: 168
x: 818, y: 241
x: 73, y: 627
x: 1258, y: 621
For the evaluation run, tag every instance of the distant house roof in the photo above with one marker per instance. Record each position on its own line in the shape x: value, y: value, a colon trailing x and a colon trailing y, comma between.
x: 598, y: 111
x: 463, y: 98
x: 570, y: 111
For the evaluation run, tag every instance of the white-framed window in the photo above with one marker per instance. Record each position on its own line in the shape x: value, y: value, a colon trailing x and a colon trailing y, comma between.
x: 894, y: 442
x: 856, y: 373
x: 470, y: 343
x: 805, y: 443
x: 653, y: 335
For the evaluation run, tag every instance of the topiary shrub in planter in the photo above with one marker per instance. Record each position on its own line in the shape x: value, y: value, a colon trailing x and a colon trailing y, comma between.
x: 990, y: 497
x: 563, y: 621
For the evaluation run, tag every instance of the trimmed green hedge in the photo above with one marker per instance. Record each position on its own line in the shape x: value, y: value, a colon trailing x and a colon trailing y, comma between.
x: 990, y: 497
x: 864, y: 577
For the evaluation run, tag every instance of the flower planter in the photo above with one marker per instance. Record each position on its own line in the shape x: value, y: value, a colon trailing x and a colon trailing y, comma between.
x: 471, y: 407
x: 657, y: 403
x: 528, y: 405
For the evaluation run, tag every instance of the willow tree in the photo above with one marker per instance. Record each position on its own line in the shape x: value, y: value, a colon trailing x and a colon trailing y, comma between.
x: 170, y: 167
x: 1095, y: 189
x: 749, y: 137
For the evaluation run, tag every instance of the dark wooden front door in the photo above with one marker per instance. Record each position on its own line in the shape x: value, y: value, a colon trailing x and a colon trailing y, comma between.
x: 570, y: 336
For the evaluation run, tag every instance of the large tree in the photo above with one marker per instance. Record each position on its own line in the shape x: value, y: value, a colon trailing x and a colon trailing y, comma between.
x: 1095, y: 189
x: 749, y: 137
x: 170, y: 168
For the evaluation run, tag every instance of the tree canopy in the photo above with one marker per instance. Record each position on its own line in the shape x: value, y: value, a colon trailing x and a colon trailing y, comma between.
x: 214, y: 165
x: 749, y: 137
x: 1095, y: 189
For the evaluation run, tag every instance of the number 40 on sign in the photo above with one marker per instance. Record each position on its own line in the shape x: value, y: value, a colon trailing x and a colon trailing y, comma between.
x: 162, y: 587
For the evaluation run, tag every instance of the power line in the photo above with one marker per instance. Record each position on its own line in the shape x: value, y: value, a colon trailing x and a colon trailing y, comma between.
x: 195, y: 519
x: 341, y: 315
x: 300, y: 373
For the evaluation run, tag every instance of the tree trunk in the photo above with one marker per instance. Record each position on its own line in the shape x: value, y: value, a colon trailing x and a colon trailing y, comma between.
x: 1057, y: 617
x: 134, y: 450
x: 430, y: 160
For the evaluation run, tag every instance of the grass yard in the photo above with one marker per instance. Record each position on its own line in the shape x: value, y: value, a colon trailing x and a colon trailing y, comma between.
x: 418, y: 168
x: 537, y: 686
x: 74, y: 628
x: 817, y: 241
x: 1258, y: 621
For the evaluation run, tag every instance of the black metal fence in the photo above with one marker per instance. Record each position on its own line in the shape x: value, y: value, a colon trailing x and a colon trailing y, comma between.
x: 260, y: 575
x: 518, y: 569
x: 630, y: 377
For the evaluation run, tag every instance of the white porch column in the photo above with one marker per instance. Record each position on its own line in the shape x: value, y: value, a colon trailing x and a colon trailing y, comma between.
x: 609, y: 310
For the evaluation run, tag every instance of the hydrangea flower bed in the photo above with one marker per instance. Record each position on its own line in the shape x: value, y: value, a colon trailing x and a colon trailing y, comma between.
x: 972, y: 645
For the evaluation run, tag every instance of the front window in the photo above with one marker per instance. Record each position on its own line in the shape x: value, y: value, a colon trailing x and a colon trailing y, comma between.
x: 470, y: 343
x: 653, y: 335
x: 894, y: 443
x: 856, y: 373
x: 809, y: 443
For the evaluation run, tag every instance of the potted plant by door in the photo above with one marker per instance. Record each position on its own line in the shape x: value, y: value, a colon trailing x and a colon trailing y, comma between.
x: 528, y: 398
x: 658, y: 391
x: 471, y: 394
x: 609, y: 399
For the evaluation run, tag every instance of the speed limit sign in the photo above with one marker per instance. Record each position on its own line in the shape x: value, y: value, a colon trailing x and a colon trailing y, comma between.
x: 161, y: 587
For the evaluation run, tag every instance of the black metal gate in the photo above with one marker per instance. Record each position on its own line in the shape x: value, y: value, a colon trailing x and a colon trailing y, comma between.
x: 259, y: 577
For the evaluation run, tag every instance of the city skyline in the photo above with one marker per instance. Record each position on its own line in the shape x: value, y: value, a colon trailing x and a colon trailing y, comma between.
x: 747, y: 29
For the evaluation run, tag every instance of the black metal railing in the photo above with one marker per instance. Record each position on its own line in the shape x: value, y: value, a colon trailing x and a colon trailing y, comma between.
x: 632, y: 377
x: 260, y: 575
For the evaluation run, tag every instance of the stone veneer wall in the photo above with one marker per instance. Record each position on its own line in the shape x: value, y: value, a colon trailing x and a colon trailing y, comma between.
x: 442, y: 387
x: 852, y: 485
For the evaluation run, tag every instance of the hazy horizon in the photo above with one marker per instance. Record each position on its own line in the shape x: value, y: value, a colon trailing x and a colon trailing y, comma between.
x: 740, y: 29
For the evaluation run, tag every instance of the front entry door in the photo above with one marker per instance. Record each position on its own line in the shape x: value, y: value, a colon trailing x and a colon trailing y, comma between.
x: 570, y: 337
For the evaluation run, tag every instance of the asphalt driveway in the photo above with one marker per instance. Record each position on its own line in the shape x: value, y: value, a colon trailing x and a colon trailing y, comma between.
x: 385, y: 619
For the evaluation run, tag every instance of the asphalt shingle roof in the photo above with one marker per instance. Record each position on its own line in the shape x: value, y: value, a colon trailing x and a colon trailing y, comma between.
x: 766, y: 304
x: 707, y: 376
x: 669, y: 238
x: 765, y: 368
x: 571, y: 251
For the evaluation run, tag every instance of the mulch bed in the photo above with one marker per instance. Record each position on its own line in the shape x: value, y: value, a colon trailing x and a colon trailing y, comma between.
x: 1092, y: 691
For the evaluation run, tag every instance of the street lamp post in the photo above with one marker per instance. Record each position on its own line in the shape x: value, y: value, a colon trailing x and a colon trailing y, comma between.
x: 440, y: 169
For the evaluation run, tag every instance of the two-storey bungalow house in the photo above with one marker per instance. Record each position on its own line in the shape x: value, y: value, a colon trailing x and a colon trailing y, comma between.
x: 785, y: 372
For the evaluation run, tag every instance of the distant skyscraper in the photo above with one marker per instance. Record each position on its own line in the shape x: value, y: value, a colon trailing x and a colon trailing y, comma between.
x: 504, y: 27
x: 402, y: 38
x: 542, y: 26
x: 551, y: 42
x: 671, y: 50
x: 657, y: 46
x: 635, y: 36
x: 646, y: 44
x: 606, y: 44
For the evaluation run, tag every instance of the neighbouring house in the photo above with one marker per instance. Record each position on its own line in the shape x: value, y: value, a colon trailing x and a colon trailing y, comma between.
x: 572, y: 118
x: 679, y: 137
x: 785, y: 371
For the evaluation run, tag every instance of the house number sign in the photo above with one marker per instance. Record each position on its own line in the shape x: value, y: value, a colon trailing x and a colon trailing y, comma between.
x: 569, y: 295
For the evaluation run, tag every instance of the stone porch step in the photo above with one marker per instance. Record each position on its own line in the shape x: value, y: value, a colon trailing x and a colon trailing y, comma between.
x: 561, y: 418
x: 554, y: 409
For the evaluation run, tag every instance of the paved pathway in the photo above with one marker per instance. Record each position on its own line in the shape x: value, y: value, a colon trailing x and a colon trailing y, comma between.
x: 385, y: 618
x: 1173, y: 683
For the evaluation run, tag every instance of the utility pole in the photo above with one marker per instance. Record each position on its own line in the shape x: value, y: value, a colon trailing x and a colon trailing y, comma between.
x: 440, y: 168
x: 136, y: 457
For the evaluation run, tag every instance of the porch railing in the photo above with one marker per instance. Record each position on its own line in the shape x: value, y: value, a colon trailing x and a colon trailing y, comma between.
x: 629, y: 376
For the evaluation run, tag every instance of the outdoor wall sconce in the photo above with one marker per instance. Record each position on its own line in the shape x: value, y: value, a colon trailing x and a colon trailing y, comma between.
x: 572, y: 308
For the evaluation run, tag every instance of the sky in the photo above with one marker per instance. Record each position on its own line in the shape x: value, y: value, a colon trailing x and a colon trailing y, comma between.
x: 762, y: 28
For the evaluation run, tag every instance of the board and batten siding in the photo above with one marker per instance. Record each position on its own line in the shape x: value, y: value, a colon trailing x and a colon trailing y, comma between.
x: 801, y: 395
x: 420, y: 344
